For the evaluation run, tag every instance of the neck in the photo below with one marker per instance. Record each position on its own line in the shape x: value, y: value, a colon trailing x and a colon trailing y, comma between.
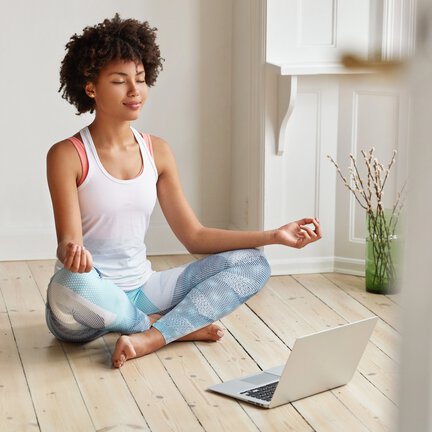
x: 111, y: 134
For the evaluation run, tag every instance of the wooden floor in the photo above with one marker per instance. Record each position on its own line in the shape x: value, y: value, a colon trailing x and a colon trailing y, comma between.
x: 50, y: 386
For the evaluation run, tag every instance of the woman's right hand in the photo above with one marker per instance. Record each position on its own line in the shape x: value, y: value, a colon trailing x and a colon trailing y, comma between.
x: 74, y: 257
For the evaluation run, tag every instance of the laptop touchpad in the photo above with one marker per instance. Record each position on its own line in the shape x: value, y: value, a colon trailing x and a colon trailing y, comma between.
x: 262, y: 378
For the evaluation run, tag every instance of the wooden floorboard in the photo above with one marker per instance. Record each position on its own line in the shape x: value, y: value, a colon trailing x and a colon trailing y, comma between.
x: 46, y: 385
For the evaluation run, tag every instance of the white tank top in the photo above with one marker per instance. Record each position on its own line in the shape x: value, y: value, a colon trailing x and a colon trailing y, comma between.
x: 115, y: 215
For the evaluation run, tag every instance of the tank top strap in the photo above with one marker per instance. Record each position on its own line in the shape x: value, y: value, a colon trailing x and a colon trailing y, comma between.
x: 89, y: 157
x: 144, y: 140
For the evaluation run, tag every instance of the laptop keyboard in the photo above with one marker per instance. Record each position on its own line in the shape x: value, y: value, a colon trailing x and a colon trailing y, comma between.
x: 264, y: 392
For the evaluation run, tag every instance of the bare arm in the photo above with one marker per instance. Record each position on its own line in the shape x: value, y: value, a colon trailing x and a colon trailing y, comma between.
x: 63, y: 172
x: 200, y: 239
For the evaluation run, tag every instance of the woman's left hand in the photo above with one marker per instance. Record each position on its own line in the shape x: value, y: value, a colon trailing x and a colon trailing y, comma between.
x: 299, y: 233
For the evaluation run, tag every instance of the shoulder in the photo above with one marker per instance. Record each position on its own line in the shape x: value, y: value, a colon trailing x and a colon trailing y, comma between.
x: 61, y: 149
x: 162, y: 154
x: 63, y: 156
x: 160, y: 146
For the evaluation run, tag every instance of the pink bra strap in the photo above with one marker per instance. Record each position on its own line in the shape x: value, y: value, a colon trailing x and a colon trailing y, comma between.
x: 148, y: 142
x: 79, y: 146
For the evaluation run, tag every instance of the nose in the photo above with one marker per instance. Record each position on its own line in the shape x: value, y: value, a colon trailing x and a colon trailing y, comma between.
x: 132, y: 90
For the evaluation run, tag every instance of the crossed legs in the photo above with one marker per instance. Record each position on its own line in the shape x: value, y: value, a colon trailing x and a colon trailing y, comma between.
x: 179, y: 304
x: 206, y: 291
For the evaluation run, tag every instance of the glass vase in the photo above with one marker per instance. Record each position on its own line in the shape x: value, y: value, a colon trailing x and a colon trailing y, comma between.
x: 381, y: 255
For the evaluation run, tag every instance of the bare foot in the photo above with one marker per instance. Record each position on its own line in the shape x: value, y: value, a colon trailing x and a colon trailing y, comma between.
x: 136, y: 345
x: 211, y: 333
x: 139, y: 344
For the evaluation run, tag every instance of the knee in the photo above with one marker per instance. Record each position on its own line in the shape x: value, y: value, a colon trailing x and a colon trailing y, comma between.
x: 264, y: 268
x: 261, y: 270
x: 252, y: 258
x: 253, y: 265
x: 70, y: 280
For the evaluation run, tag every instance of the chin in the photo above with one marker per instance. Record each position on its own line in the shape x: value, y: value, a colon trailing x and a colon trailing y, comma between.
x: 132, y: 117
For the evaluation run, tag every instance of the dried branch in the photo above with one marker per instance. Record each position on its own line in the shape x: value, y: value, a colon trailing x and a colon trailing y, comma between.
x: 365, y: 190
x: 346, y: 183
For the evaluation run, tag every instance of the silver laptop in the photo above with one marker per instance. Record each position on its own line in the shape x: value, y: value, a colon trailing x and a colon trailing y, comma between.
x: 318, y: 362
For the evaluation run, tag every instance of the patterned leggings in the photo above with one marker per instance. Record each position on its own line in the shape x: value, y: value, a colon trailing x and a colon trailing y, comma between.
x: 84, y: 306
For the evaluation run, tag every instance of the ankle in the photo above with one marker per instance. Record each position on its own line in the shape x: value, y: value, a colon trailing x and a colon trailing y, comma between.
x: 151, y: 338
x: 156, y: 335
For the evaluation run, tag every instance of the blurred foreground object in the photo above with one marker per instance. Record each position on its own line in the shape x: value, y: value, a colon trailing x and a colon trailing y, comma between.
x: 351, y: 61
x: 416, y: 366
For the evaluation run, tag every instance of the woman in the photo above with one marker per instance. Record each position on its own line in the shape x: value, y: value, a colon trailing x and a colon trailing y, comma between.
x: 104, y: 182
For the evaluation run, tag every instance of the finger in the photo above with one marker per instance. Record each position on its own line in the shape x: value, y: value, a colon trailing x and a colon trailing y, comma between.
x: 300, y: 233
x: 305, y: 221
x: 77, y: 260
x: 89, y: 261
x: 71, y: 250
x: 318, y: 228
x: 309, y: 229
x: 308, y: 233
x: 83, y: 260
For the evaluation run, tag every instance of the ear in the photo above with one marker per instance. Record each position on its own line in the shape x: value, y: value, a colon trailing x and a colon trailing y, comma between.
x: 90, y: 90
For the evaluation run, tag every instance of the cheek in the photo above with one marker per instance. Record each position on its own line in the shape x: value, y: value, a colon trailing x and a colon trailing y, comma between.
x: 144, y: 93
x: 108, y: 94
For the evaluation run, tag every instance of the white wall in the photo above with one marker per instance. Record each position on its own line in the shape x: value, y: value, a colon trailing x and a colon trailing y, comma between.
x: 300, y: 182
x: 332, y: 112
x: 373, y: 113
x: 189, y: 107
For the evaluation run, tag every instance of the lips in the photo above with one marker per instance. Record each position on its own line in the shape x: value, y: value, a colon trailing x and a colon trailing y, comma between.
x: 132, y: 105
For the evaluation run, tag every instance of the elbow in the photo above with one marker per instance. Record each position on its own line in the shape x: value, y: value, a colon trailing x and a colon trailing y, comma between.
x: 193, y: 249
x: 194, y: 242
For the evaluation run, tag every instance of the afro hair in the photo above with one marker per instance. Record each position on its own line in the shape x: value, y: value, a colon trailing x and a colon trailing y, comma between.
x: 112, y: 39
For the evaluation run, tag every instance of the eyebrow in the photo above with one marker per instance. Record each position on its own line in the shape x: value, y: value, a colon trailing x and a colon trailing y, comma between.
x: 125, y: 74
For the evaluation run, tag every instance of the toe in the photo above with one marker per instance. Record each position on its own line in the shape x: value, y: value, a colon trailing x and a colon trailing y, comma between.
x: 216, y: 332
x: 123, y: 351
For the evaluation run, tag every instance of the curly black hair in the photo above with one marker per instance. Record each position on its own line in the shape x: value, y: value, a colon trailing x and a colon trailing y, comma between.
x: 112, y: 39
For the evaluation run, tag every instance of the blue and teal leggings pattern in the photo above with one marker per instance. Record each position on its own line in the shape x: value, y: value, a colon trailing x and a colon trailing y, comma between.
x: 84, y: 306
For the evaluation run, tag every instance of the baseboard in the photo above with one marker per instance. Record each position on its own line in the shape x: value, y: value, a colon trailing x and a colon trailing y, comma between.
x: 317, y: 265
x: 351, y: 266
x: 301, y: 265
